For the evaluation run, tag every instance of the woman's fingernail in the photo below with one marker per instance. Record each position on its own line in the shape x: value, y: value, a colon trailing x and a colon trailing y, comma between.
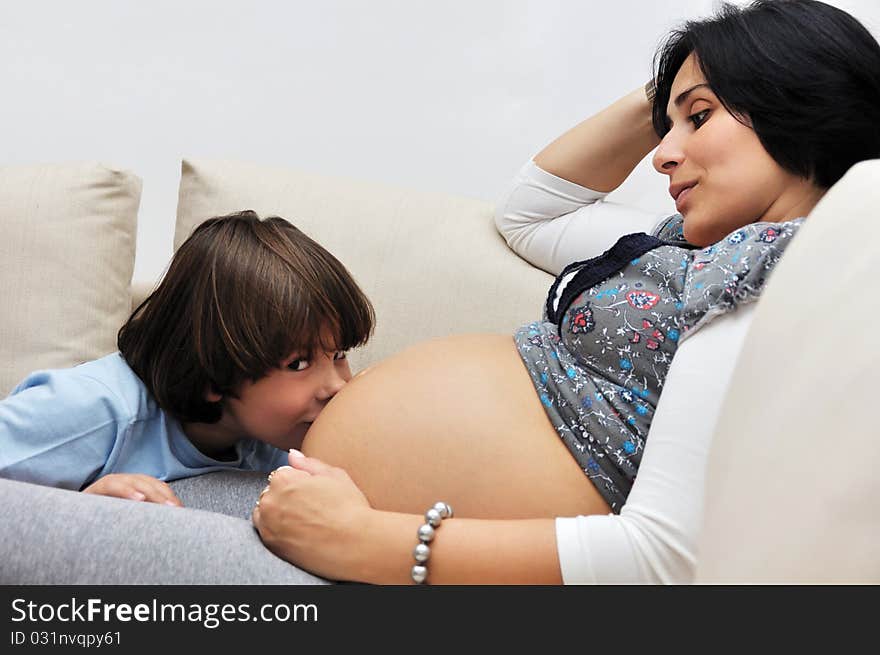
x: 137, y: 495
x: 296, y: 453
x: 171, y: 502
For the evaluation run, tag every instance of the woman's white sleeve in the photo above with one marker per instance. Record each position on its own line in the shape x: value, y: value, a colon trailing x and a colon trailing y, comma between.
x: 551, y: 222
x: 653, y: 539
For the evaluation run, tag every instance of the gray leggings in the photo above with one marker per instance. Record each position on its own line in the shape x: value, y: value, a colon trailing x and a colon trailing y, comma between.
x: 54, y: 536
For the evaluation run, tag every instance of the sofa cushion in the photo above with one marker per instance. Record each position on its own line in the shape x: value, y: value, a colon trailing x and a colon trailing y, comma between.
x: 67, y: 255
x: 792, y: 486
x: 407, y: 249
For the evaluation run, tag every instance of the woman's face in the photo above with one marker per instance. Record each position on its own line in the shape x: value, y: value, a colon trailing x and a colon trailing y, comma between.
x: 720, y: 175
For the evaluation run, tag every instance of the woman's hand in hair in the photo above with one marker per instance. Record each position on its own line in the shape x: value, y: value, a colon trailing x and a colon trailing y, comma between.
x: 313, y: 514
x: 134, y: 486
x: 600, y: 152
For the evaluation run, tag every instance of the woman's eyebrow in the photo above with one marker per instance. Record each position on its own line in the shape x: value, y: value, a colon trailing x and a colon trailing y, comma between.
x: 684, y: 94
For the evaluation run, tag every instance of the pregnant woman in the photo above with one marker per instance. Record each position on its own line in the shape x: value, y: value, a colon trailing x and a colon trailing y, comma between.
x: 575, y: 450
x: 603, y: 411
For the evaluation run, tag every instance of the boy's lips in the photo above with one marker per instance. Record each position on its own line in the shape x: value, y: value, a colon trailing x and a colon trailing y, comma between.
x: 299, y: 425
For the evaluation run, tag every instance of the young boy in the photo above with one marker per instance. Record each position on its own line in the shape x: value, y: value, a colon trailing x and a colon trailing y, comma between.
x: 224, y: 366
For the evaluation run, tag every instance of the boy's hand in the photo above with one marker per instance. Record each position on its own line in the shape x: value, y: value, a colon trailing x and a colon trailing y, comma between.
x: 134, y: 486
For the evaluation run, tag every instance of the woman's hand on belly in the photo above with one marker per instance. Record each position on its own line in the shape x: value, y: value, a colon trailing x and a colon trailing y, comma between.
x: 311, y: 513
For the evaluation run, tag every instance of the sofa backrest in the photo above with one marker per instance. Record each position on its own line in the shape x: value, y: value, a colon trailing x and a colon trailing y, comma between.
x: 792, y: 486
x: 432, y: 264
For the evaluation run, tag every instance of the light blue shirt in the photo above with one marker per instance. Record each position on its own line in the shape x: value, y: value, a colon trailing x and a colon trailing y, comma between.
x: 67, y: 427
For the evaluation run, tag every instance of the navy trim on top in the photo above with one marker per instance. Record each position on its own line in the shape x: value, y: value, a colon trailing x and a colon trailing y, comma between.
x: 599, y: 268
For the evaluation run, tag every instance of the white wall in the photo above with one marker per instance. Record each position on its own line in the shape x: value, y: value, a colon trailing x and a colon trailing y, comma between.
x: 449, y: 96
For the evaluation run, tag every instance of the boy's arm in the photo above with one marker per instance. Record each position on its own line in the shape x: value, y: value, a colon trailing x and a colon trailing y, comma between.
x: 57, y: 429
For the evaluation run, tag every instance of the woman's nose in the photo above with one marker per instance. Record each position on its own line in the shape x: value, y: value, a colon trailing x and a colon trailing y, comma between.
x: 668, y: 154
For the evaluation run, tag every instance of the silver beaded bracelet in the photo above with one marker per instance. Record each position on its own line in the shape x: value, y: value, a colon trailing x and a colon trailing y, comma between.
x: 422, y: 552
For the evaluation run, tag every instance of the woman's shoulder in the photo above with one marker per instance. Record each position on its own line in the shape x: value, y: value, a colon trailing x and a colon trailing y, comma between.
x: 746, y: 247
x: 671, y: 231
x: 761, y: 235
x: 733, y: 271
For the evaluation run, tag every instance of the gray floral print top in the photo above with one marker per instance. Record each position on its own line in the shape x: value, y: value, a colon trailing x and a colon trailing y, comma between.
x: 612, y: 325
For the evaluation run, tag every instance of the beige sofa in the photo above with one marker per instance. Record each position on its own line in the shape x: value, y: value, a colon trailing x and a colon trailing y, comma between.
x: 780, y: 504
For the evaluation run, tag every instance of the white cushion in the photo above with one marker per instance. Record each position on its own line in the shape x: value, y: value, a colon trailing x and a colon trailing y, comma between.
x: 792, y: 486
x: 431, y: 264
x: 66, y: 256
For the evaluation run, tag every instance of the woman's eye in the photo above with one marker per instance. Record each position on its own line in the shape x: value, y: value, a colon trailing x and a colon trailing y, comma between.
x: 298, y: 365
x: 699, y: 118
x: 340, y: 355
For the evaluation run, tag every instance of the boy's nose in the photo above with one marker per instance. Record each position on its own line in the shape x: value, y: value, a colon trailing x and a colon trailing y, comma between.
x: 333, y: 382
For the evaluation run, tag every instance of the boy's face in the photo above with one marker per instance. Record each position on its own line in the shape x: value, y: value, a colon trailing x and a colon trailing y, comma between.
x: 279, y: 408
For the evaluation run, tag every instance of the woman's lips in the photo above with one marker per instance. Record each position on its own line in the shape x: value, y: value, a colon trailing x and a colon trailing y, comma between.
x: 681, y: 200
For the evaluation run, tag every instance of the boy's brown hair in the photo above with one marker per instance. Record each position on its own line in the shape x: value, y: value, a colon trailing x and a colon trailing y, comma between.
x: 240, y: 295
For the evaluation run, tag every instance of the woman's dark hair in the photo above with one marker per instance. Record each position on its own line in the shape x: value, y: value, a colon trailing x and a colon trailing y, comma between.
x: 803, y: 74
x: 240, y: 295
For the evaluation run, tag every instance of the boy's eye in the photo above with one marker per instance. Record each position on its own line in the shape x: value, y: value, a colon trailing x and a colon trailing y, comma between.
x: 298, y: 365
x: 699, y: 118
x: 340, y: 355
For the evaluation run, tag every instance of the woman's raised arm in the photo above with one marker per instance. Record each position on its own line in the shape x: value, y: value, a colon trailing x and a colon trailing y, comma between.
x: 600, y: 152
x: 554, y: 212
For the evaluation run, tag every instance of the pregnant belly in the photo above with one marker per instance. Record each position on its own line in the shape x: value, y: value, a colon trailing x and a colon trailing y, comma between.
x: 454, y: 419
